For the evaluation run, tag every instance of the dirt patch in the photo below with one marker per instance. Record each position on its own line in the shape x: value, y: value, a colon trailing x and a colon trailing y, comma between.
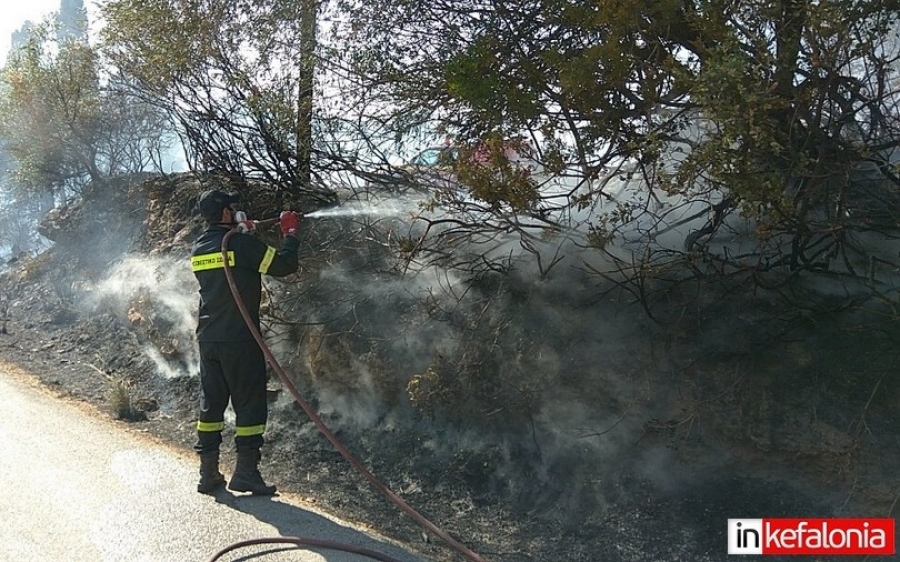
x: 663, y: 458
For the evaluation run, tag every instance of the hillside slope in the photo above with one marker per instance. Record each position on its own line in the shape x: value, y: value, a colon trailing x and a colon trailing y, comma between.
x: 526, y: 417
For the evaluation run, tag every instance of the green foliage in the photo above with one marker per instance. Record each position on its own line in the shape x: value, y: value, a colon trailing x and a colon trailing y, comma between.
x: 50, y: 102
x: 63, y: 126
x: 770, y: 110
x: 485, y: 77
x: 489, y: 174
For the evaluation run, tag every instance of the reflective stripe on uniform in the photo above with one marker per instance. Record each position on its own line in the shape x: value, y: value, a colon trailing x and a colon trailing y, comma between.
x: 250, y: 430
x: 211, y: 261
x: 210, y: 426
x: 267, y: 260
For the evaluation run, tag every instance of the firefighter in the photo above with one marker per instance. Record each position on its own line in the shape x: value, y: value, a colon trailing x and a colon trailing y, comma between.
x: 232, y: 365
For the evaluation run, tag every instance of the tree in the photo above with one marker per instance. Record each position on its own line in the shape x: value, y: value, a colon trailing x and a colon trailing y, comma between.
x: 65, y: 127
x: 236, y: 76
x: 777, y: 115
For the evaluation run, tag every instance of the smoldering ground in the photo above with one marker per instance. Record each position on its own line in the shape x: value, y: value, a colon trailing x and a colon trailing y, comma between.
x: 546, y: 392
x: 158, y: 297
x: 362, y: 335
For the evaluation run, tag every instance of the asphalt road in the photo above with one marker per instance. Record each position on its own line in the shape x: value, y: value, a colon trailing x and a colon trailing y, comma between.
x: 75, y: 487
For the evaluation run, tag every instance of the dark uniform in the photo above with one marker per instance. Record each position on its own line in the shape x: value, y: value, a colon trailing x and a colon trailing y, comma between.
x: 232, y: 365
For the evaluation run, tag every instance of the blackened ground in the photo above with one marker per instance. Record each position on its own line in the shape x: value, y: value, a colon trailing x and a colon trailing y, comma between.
x: 799, y: 429
x: 643, y: 506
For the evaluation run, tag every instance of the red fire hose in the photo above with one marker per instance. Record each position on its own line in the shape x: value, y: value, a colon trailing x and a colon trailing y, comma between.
x: 340, y: 447
x: 298, y: 541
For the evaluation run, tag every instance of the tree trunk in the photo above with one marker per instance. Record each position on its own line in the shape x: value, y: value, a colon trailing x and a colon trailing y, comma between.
x: 305, y: 91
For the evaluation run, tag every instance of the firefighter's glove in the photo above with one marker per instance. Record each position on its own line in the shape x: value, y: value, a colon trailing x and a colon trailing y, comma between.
x: 290, y: 222
x: 247, y: 226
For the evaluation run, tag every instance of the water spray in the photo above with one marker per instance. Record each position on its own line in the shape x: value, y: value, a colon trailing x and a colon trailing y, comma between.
x: 342, y: 211
x: 357, y: 210
x: 334, y: 212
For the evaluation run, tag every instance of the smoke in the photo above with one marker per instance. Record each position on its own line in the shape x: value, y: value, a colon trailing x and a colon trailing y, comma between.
x: 164, y: 367
x: 566, y: 372
x: 580, y: 372
x: 588, y: 388
x: 158, y: 297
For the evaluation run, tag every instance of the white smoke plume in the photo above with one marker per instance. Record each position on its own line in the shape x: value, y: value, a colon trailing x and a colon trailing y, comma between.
x: 157, y: 295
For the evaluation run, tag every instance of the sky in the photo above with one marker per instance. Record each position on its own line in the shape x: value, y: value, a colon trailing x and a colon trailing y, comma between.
x: 13, y: 13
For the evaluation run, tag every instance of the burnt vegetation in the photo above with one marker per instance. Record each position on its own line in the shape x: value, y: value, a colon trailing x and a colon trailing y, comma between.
x: 652, y: 277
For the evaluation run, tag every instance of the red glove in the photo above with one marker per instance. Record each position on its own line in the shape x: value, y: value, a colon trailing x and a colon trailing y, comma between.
x: 290, y: 222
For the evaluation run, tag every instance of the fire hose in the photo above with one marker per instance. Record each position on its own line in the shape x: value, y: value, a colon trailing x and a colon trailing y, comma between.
x: 332, y: 438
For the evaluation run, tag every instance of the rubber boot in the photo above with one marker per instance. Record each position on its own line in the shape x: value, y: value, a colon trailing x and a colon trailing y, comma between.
x: 210, y: 477
x: 246, y: 477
